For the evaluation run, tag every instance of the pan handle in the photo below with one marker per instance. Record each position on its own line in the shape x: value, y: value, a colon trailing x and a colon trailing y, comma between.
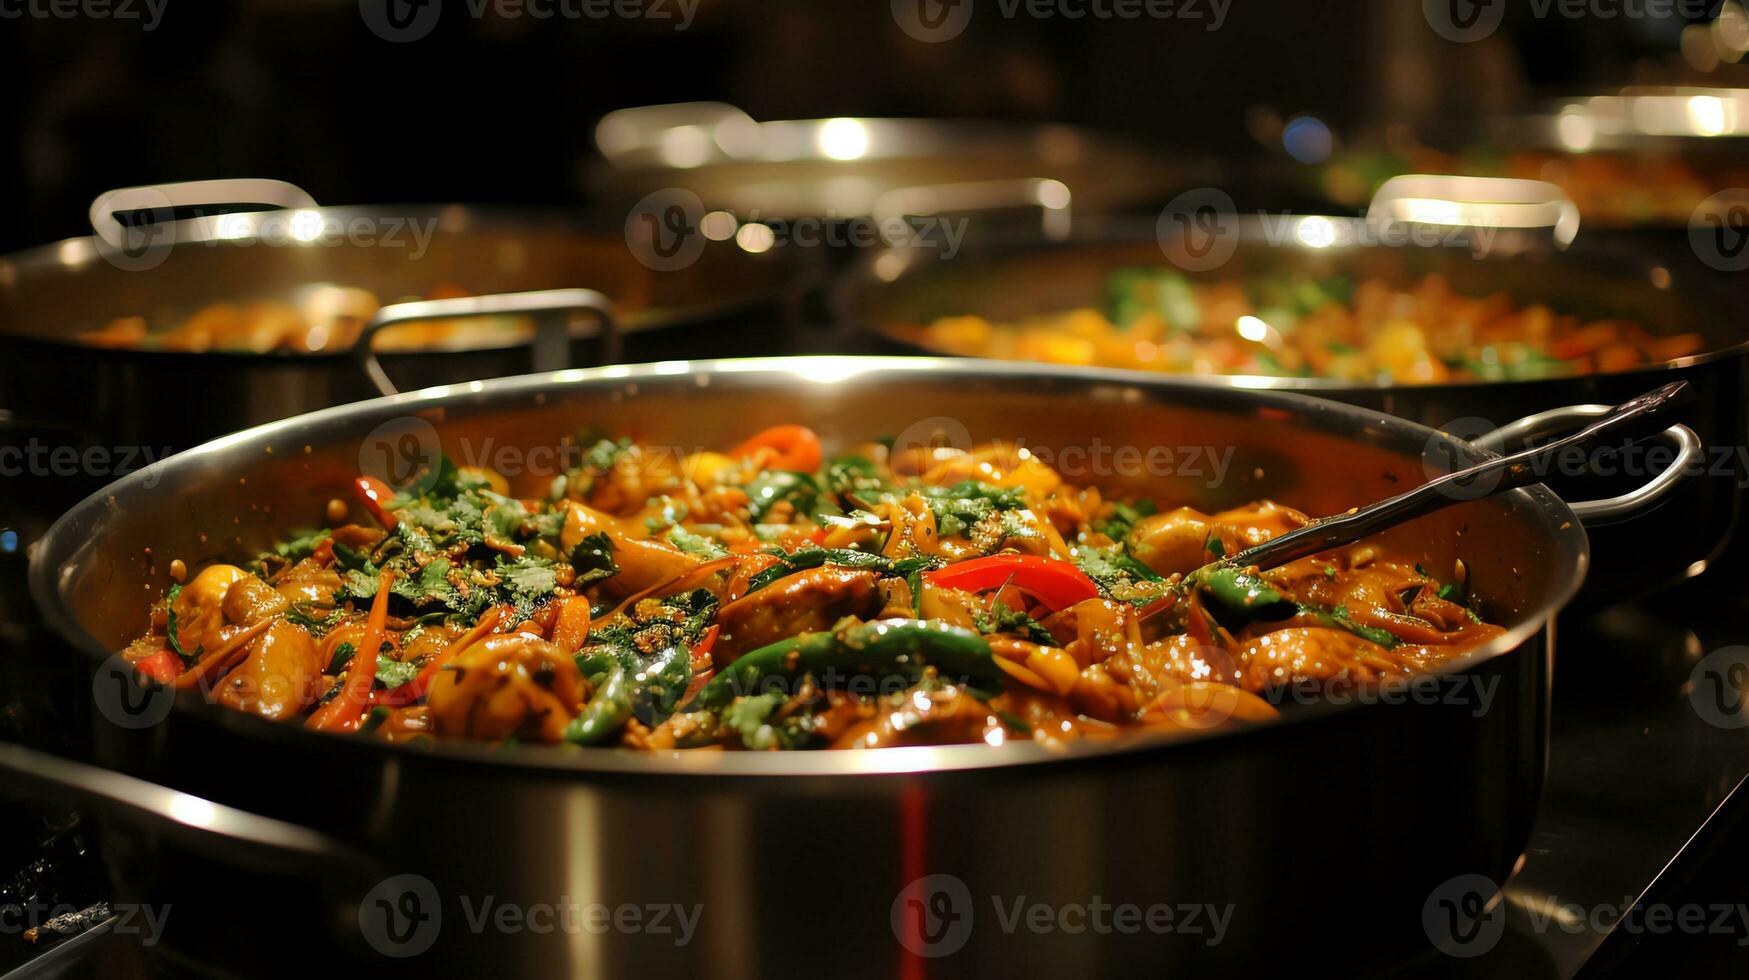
x: 551, y: 309
x: 634, y: 136
x: 1051, y: 196
x: 1611, y: 510
x: 252, y: 841
x: 217, y: 196
x: 1477, y: 202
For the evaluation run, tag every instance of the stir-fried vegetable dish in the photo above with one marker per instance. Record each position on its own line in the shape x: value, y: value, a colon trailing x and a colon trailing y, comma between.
x: 324, y: 318
x: 772, y: 597
x: 1299, y: 326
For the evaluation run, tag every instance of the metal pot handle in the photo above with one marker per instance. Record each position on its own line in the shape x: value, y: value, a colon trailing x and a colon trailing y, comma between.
x: 1477, y: 202
x: 625, y: 136
x: 1051, y: 196
x: 251, y: 841
x: 551, y: 309
x: 1612, y: 510
x: 218, y: 197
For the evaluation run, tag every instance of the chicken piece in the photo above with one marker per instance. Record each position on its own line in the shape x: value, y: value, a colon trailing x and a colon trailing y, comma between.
x: 199, y: 608
x: 1312, y: 654
x: 509, y: 684
x: 280, y: 677
x: 1246, y: 527
x: 1176, y: 541
x: 808, y: 601
x: 310, y: 583
x: 637, y: 474
x: 249, y: 600
x: 944, y: 716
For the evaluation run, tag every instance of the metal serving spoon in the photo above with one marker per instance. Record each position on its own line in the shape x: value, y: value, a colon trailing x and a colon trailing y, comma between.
x: 1514, y: 471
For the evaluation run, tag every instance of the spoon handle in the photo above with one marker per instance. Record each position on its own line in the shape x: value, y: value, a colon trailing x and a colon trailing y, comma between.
x: 1481, y: 480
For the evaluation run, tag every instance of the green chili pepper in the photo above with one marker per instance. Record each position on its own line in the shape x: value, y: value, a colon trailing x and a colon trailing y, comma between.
x: 606, y: 712
x: 1240, y: 591
x: 659, y: 683
x: 842, y: 557
x: 596, y: 665
x: 1338, y: 618
x: 901, y: 647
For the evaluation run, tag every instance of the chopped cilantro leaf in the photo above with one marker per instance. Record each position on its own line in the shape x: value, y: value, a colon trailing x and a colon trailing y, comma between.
x: 593, y: 560
x: 1001, y: 619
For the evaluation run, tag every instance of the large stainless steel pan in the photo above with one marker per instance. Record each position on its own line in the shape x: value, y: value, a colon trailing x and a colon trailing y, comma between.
x: 63, y: 395
x: 1642, y: 158
x: 895, y: 291
x: 800, y: 862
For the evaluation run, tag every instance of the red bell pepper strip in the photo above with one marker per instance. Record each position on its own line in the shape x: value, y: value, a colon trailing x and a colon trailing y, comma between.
x: 376, y: 496
x: 1056, y: 583
x: 785, y: 447
x: 163, y: 666
x: 420, y: 685
x: 345, y: 711
x: 705, y: 642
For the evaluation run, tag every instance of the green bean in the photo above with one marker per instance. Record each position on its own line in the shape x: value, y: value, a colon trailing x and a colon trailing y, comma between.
x: 605, y: 713
x: 901, y: 647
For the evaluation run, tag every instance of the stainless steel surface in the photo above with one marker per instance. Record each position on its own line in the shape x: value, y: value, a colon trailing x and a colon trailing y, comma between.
x: 1477, y: 202
x: 1523, y: 468
x: 160, y: 201
x: 249, y: 840
x: 1053, y: 199
x: 1689, y: 460
x: 151, y: 402
x: 1132, y: 820
x: 51, y: 292
x: 1634, y: 118
x: 840, y: 168
x: 895, y: 292
x: 552, y: 337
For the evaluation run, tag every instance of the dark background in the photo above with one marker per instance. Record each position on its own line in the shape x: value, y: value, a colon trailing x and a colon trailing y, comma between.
x: 500, y: 109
